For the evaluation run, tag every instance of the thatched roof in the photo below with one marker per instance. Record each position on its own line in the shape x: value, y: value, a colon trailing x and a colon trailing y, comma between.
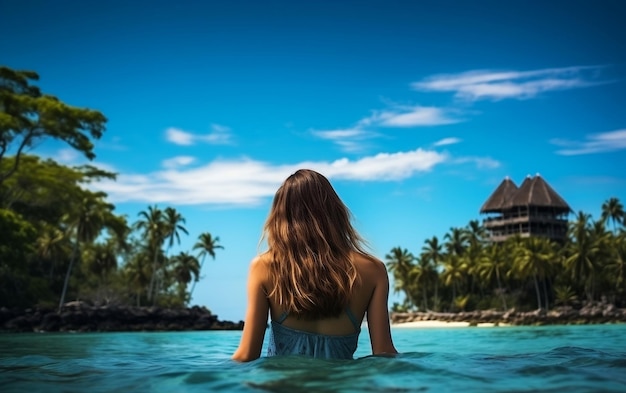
x: 534, y: 191
x: 500, y: 196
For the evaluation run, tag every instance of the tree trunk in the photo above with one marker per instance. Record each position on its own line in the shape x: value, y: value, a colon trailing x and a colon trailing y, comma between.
x: 67, y: 274
x: 545, y: 294
x: 537, y: 292
x: 436, y: 305
x: 193, y: 286
x: 152, y: 279
x: 500, y: 290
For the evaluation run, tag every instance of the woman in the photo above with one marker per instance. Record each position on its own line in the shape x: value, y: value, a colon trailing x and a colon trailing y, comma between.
x: 315, y: 280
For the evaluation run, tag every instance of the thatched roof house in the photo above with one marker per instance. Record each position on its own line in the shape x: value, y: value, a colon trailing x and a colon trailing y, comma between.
x: 500, y: 197
x: 534, y: 208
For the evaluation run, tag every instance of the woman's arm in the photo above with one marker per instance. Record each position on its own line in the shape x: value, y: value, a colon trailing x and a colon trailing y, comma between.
x: 378, y: 314
x: 256, y: 315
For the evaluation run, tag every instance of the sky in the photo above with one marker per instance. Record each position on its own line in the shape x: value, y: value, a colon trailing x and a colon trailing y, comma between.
x: 415, y: 110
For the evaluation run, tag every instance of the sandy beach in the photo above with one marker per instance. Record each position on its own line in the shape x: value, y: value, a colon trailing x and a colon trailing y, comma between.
x: 441, y: 324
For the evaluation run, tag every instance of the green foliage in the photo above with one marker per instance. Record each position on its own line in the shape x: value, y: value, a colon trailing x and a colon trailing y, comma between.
x: 17, y: 237
x: 28, y: 116
x: 58, y: 238
x: 467, y: 272
x: 460, y: 302
x: 564, y: 295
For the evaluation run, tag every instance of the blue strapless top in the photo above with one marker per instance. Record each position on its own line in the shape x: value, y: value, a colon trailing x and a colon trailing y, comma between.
x: 287, y: 341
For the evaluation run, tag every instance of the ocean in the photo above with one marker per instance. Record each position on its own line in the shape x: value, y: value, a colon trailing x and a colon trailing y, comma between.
x: 589, y: 358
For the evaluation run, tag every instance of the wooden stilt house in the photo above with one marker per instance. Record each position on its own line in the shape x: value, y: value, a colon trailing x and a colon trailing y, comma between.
x: 533, y: 209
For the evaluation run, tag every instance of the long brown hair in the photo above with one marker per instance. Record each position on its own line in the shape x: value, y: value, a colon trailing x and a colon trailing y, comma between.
x: 310, y: 240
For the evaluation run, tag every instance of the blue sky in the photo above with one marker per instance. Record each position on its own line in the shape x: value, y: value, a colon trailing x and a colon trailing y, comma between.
x: 415, y: 110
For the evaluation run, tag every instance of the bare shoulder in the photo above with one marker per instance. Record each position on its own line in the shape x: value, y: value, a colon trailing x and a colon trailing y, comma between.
x: 369, y: 266
x: 259, y: 267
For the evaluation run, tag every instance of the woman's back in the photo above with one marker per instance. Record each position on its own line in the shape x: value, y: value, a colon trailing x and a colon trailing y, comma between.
x: 336, y: 337
x: 315, y: 281
x: 368, y: 270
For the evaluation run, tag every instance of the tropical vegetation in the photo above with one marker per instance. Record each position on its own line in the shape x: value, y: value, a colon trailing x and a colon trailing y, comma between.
x: 467, y: 272
x: 60, y: 240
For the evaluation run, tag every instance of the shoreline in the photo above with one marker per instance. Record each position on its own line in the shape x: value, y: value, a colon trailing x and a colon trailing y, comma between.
x: 589, y: 313
x: 438, y: 324
x: 84, y: 318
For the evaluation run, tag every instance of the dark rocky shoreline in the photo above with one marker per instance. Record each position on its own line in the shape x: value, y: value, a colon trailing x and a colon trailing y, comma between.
x: 83, y: 318
x: 590, y: 313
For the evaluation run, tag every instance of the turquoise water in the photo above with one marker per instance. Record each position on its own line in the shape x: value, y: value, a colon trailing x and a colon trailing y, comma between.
x: 552, y: 359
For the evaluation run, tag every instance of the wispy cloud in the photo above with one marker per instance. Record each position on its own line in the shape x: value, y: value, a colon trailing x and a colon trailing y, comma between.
x: 480, y: 162
x: 410, y: 116
x: 447, y: 141
x: 498, y: 85
x: 113, y: 144
x: 593, y: 143
x: 178, y: 161
x: 219, y: 135
x: 353, y: 139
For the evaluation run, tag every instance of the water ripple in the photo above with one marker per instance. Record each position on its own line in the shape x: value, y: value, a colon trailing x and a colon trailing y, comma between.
x: 547, y: 359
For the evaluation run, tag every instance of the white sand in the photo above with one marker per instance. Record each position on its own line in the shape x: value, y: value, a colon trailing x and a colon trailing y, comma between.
x: 440, y: 324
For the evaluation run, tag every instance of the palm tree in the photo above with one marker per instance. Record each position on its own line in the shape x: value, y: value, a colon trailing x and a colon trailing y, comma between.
x: 456, y: 241
x: 155, y: 230
x: 50, y: 246
x: 101, y: 260
x: 186, y: 268
x: 532, y: 260
x: 475, y: 233
x: 400, y: 263
x: 137, y: 273
x: 493, y: 264
x: 119, y: 234
x: 614, y: 210
x: 616, y: 266
x: 472, y: 257
x: 207, y: 245
x: 420, y: 277
x: 580, y: 260
x: 432, y: 251
x: 454, y: 270
x: 173, y: 223
x: 85, y: 225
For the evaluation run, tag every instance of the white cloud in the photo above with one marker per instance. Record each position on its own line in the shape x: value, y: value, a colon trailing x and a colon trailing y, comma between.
x: 339, y: 134
x: 480, y: 162
x: 498, y: 85
x: 410, y: 116
x: 71, y: 157
x: 352, y: 139
x: 249, y: 182
x: 178, y: 161
x: 447, y: 141
x: 67, y: 156
x: 593, y: 143
x: 219, y: 135
x: 178, y: 136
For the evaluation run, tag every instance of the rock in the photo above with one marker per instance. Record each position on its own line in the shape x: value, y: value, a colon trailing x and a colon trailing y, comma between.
x: 84, y: 318
x: 591, y: 312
